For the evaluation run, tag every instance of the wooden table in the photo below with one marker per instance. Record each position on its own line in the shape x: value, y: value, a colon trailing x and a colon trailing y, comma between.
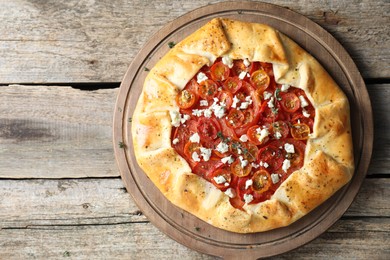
x: 61, y: 64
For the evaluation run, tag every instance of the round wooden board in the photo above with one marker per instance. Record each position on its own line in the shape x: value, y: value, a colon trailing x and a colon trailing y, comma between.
x: 184, y: 227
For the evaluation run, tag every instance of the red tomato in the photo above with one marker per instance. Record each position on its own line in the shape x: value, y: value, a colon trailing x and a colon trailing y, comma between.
x: 207, y: 89
x: 205, y: 169
x: 192, y: 85
x: 260, y: 79
x: 290, y: 102
x: 219, y: 71
x: 279, y: 129
x: 235, y: 118
x: 208, y: 129
x: 271, y: 155
x: 186, y: 99
x: 254, y: 135
x: 232, y: 84
x: 225, y: 173
x: 296, y: 158
x: 300, y: 119
x: 238, y: 67
x: 226, y: 97
x: 236, y: 202
x: 267, y: 67
x: 261, y: 181
x: 183, y: 133
x: 250, y: 152
x: 300, y: 131
x: 241, y: 187
x: 268, y: 114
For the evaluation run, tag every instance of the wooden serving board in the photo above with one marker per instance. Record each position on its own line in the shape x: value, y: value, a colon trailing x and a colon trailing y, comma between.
x: 184, y: 227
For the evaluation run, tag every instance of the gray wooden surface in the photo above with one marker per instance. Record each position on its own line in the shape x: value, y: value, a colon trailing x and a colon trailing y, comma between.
x: 60, y: 67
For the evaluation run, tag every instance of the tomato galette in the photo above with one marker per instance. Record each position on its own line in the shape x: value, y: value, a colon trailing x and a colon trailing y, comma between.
x: 241, y: 127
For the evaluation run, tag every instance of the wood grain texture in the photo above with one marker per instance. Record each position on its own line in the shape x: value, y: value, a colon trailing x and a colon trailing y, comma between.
x: 43, y: 128
x: 71, y: 219
x: 88, y: 41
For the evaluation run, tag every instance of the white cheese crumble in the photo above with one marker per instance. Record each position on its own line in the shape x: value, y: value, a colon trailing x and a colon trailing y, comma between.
x: 175, y: 118
x: 248, y: 99
x: 195, y: 138
x: 203, y: 103
x: 305, y: 113
x: 230, y: 193
x: 267, y: 95
x: 254, y: 165
x: 205, y: 153
x: 222, y: 147
x: 227, y: 61
x: 235, y: 101
x: 207, y: 113
x: 286, y: 165
x: 266, y: 165
x: 248, y: 183
x: 246, y: 62
x: 242, y: 75
x: 219, y: 179
x: 184, y: 118
x: 244, y: 138
x: 227, y: 159
x: 289, y: 148
x: 197, y: 112
x: 285, y: 87
x: 303, y: 101
x: 263, y: 133
x: 248, y: 198
x: 219, y: 110
x: 271, y: 102
x: 275, y: 178
x: 195, y: 157
x: 243, y: 162
x: 277, y: 135
x: 175, y: 141
x: 201, y: 77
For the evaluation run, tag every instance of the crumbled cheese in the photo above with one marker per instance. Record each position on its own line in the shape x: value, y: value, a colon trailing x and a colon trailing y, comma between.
x: 271, y: 102
x: 235, y: 101
x: 277, y: 135
x: 244, y: 105
x: 248, y: 198
x: 305, y: 113
x: 175, y: 118
x: 246, y: 62
x: 230, y: 193
x: 219, y: 179
x: 244, y: 138
x: 285, y: 87
x: 254, y: 165
x: 275, y: 178
x: 243, y: 162
x: 289, y: 148
x: 248, y: 99
x: 228, y: 159
x: 227, y: 61
x: 207, y: 113
x: 267, y: 95
x: 266, y: 165
x: 195, y: 157
x: 197, y: 112
x: 222, y: 147
x: 303, y: 101
x: 195, y: 138
x: 203, y: 103
x: 263, y: 133
x: 184, y: 118
x: 219, y: 110
x: 205, y: 153
x: 286, y: 165
x: 248, y: 183
x: 201, y: 77
x: 242, y: 75
x: 175, y: 141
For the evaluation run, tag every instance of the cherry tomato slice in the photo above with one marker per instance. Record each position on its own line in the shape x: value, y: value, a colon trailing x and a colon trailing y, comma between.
x: 221, y: 178
x: 219, y: 71
x: 290, y: 102
x: 250, y: 152
x: 254, y: 135
x: 261, y: 181
x: 207, y: 89
x: 182, y: 134
x: 300, y: 131
x: 191, y: 148
x: 232, y: 84
x: 208, y: 129
x: 235, y: 118
x: 238, y: 67
x: 240, y: 171
x: 186, y: 99
x: 260, y: 79
x: 226, y: 97
x: 279, y: 129
x: 298, y: 118
x: 271, y: 155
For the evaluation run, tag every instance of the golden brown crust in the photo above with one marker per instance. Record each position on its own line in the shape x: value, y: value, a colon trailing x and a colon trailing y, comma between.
x: 328, y: 162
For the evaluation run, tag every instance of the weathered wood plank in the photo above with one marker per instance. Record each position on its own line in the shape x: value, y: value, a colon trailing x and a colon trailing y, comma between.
x: 78, y: 217
x: 84, y: 41
x: 43, y: 128
x: 27, y: 203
